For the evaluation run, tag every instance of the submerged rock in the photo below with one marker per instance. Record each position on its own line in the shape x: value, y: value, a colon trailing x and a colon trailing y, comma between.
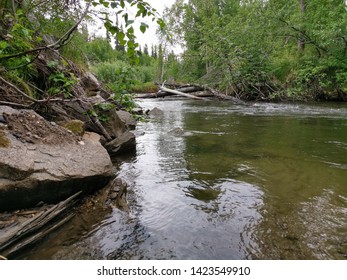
x: 45, y: 162
x: 156, y: 112
x: 117, y: 194
x: 177, y: 132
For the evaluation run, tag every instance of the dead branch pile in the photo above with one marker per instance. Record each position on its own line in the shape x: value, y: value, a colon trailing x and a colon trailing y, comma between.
x: 193, y: 91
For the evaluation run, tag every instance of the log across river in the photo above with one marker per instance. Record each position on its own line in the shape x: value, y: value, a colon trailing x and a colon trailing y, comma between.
x: 212, y: 180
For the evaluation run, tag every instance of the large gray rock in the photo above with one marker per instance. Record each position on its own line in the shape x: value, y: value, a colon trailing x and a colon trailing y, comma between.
x: 114, y: 125
x: 156, y: 112
x: 91, y: 84
x: 41, y: 161
x: 128, y: 119
x: 123, y: 144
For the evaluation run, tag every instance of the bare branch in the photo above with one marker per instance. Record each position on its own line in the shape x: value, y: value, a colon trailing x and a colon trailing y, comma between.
x: 17, y: 89
x: 14, y: 104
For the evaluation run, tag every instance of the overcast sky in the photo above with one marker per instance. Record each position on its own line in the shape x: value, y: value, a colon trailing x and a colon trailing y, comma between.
x: 149, y: 37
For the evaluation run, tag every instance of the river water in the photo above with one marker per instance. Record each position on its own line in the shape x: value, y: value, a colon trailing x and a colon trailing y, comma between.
x: 262, y: 181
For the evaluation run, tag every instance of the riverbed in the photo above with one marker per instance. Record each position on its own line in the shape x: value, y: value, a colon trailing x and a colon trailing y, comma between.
x: 212, y: 180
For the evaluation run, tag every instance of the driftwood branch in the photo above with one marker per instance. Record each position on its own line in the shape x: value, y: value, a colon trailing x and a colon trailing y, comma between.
x: 17, y: 238
x: 38, y: 236
x: 14, y: 104
x: 194, y: 91
x: 153, y: 95
x: 17, y: 89
x: 181, y: 93
x: 224, y: 96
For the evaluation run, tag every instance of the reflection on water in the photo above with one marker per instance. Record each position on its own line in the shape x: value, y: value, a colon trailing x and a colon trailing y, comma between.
x: 264, y: 181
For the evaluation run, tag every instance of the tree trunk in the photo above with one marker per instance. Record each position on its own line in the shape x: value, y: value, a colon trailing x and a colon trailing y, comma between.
x: 301, y: 41
x: 181, y: 93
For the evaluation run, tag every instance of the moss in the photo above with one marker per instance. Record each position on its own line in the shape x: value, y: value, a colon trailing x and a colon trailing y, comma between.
x: 4, y: 141
x: 75, y: 126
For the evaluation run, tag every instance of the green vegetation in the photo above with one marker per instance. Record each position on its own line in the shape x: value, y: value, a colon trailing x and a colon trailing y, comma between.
x: 263, y: 50
x: 45, y: 48
x: 254, y: 50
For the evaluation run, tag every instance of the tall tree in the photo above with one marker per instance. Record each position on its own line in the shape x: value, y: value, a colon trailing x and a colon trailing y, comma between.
x: 301, y: 41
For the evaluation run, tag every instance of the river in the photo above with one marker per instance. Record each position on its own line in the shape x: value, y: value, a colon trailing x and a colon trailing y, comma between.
x: 262, y: 181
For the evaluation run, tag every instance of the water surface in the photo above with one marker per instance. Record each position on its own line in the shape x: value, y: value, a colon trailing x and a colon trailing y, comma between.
x: 264, y: 181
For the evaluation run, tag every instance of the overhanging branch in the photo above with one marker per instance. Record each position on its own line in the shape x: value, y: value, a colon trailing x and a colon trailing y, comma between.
x: 56, y: 45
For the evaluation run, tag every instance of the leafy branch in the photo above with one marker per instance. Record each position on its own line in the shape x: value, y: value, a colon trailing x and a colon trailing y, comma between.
x: 56, y: 45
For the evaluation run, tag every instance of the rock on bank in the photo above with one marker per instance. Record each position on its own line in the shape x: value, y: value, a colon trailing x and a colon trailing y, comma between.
x: 41, y: 161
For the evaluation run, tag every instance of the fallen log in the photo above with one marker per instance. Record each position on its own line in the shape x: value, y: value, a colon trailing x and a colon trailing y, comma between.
x: 35, y: 228
x: 182, y: 94
x: 153, y: 95
x: 195, y: 91
x: 202, y: 94
x: 38, y: 236
x: 190, y: 89
x: 222, y: 96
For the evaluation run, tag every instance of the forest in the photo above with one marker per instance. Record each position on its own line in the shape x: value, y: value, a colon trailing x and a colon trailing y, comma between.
x: 264, y: 50
x: 260, y: 176
x: 253, y: 50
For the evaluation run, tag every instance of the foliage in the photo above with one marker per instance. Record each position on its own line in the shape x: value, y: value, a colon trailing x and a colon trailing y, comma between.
x: 61, y: 84
x: 120, y: 78
x: 263, y: 49
x: 33, y: 32
x: 145, y: 88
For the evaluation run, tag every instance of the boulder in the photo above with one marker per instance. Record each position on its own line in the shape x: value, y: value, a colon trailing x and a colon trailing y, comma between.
x: 91, y: 84
x: 42, y: 162
x: 156, y: 112
x: 128, y: 119
x: 113, y: 124
x: 177, y: 132
x: 123, y: 144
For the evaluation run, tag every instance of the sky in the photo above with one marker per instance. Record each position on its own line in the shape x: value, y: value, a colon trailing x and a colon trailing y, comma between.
x: 149, y: 37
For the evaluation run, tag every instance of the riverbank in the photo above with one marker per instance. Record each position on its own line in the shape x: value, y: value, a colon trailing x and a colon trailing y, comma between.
x: 47, y: 167
x: 197, y: 91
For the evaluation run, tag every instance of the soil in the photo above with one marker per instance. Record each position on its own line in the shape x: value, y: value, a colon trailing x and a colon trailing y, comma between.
x: 29, y: 127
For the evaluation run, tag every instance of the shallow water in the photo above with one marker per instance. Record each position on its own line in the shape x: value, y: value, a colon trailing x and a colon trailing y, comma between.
x: 264, y: 181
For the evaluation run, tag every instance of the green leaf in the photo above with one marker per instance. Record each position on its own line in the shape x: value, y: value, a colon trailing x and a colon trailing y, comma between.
x: 114, y: 5
x: 52, y: 63
x: 27, y: 59
x: 143, y: 28
x: 161, y: 23
x: 130, y: 44
x: 129, y: 22
x: 130, y: 31
x: 113, y: 30
x: 3, y: 45
x: 120, y: 35
x: 108, y: 25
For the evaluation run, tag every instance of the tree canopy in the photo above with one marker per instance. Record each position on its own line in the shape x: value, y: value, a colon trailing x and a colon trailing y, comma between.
x: 264, y: 49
